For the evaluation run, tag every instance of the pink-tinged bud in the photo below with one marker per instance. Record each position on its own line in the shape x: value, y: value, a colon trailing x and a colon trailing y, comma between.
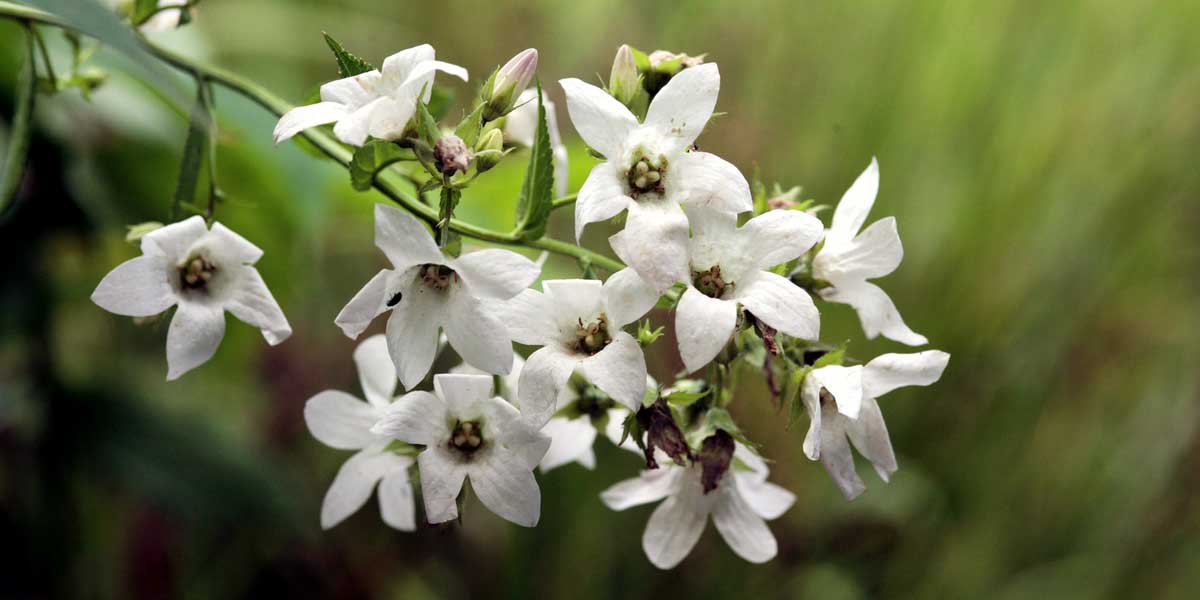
x: 451, y: 155
x: 623, y: 82
x: 509, y: 82
x: 662, y: 432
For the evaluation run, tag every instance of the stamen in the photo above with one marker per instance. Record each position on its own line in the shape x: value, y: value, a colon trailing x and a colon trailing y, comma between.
x: 437, y: 277
x: 467, y: 437
x: 646, y: 175
x: 196, y: 273
x: 710, y: 283
x: 593, y: 337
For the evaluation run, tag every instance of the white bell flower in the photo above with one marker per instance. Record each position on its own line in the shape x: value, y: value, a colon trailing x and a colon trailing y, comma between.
x: 840, y: 402
x: 427, y: 290
x: 577, y: 323
x: 205, y: 273
x: 726, y: 266
x: 740, y: 505
x: 469, y: 434
x: 520, y: 127
x: 849, y: 258
x: 650, y: 170
x: 377, y: 103
x: 342, y: 421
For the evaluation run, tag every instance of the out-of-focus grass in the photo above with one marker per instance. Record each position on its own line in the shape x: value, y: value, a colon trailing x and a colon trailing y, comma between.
x: 1038, y: 156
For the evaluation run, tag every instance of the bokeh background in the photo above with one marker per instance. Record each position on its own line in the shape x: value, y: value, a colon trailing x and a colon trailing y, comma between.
x: 1040, y: 158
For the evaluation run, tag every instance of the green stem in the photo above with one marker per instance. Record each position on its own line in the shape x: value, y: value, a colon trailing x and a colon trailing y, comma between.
x: 22, y: 128
x: 389, y: 183
x: 567, y: 200
x: 37, y: 35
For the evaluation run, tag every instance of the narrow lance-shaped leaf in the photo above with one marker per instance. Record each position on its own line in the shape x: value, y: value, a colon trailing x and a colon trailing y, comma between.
x: 349, y: 65
x: 537, y: 193
x: 18, y: 145
x: 373, y: 157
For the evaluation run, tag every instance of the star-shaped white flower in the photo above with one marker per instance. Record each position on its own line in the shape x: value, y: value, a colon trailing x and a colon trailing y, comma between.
x: 468, y: 433
x: 520, y: 126
x: 849, y: 258
x: 727, y: 266
x: 577, y: 323
x: 649, y: 169
x: 426, y: 290
x: 740, y: 506
x: 205, y: 272
x: 377, y: 103
x: 342, y: 421
x: 841, y: 404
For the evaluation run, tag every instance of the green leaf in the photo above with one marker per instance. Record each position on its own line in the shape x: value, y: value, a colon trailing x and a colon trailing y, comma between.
x: 795, y: 407
x: 440, y: 100
x: 537, y: 193
x: 373, y: 157
x: 349, y: 65
x: 142, y: 10
x: 684, y: 399
x: 22, y: 128
x: 194, y: 149
x: 833, y: 357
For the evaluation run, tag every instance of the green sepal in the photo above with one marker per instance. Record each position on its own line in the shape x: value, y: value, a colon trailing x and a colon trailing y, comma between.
x: 427, y: 124
x: 348, y: 64
x: 470, y: 127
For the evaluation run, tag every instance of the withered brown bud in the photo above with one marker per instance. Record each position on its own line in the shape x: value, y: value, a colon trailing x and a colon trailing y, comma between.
x: 662, y: 432
x: 451, y: 154
x: 715, y: 455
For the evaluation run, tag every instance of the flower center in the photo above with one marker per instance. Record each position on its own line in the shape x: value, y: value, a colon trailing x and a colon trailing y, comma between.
x: 592, y: 338
x: 196, y: 273
x: 467, y: 437
x: 710, y: 283
x: 437, y: 277
x: 646, y: 175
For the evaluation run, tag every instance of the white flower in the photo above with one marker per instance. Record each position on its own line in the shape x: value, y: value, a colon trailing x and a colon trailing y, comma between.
x: 727, y: 266
x: 426, y: 290
x: 650, y: 171
x: 577, y: 323
x: 375, y: 103
x: 741, y: 503
x: 205, y: 272
x: 467, y: 433
x: 841, y: 404
x: 849, y: 258
x: 521, y: 125
x: 342, y: 421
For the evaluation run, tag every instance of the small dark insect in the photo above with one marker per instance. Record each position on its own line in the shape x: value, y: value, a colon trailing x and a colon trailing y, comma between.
x: 395, y: 299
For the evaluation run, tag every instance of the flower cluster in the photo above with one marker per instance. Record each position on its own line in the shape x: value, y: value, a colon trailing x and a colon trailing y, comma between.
x: 739, y: 271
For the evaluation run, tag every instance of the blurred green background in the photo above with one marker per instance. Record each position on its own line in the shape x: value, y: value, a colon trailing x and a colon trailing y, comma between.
x: 1040, y: 158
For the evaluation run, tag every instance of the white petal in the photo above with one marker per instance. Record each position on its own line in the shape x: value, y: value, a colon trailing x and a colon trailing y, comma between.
x: 875, y: 252
x: 570, y: 441
x: 496, y: 273
x: 507, y: 488
x: 353, y: 485
x: 368, y: 303
x: 529, y: 318
x: 869, y: 434
x: 682, y: 108
x: 766, y: 499
x: 354, y: 91
x: 253, y: 304
x: 138, y: 287
x: 602, y: 197
x: 227, y: 247
x: 412, y: 333
x: 703, y: 326
x: 601, y: 120
x: 543, y: 377
x: 778, y: 236
x: 875, y: 310
x: 890, y: 371
x: 464, y: 395
x: 397, y: 67
x: 416, y: 418
x: 354, y: 128
x: 627, y: 297
x: 396, y: 503
x: 844, y: 384
x: 478, y: 335
x: 376, y: 373
x: 404, y: 239
x: 672, y: 532
x: 442, y: 475
x: 196, y: 331
x: 173, y: 240
x: 780, y: 304
x: 810, y: 395
x: 745, y: 532
x: 619, y: 370
x: 838, y: 460
x: 716, y: 241
x: 340, y: 420
x: 649, y: 486
x: 655, y: 241
x: 854, y: 206
x: 427, y: 68
x: 574, y: 299
x: 703, y: 179
x: 390, y: 118
x: 302, y: 117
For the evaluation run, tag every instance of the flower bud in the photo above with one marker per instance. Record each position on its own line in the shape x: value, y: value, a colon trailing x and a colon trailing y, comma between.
x: 785, y: 200
x: 716, y: 453
x: 451, y: 155
x: 623, y: 81
x: 136, y: 232
x: 662, y: 432
x: 508, y: 83
x: 670, y: 63
x: 489, y: 150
